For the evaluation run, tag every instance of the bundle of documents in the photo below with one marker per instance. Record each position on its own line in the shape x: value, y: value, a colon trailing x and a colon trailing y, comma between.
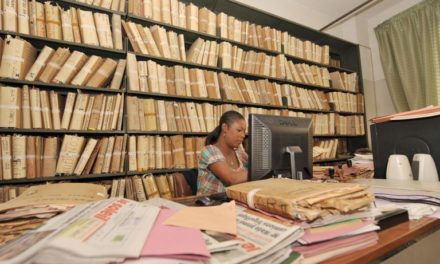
x: 72, y: 25
x: 39, y: 203
x: 302, y: 200
x: 60, y: 66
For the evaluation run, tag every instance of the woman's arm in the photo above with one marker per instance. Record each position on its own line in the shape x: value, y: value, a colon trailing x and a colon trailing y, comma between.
x: 229, y: 177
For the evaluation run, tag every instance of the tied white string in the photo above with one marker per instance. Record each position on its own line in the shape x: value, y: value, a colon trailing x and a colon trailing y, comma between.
x: 103, y: 73
x: 70, y: 66
x: 13, y: 58
x: 54, y: 65
x: 250, y: 197
x: 85, y: 26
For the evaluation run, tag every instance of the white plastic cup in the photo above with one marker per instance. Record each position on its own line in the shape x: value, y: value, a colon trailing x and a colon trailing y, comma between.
x: 398, y: 168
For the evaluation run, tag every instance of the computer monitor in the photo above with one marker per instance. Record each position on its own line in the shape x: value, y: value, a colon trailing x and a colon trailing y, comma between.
x: 273, y: 140
x: 406, y: 137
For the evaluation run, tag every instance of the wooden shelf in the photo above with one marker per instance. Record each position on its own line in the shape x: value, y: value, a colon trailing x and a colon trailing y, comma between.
x: 174, y: 97
x: 59, y: 87
x: 84, y: 6
x: 167, y: 133
x: 40, y: 42
x: 158, y: 171
x: 103, y: 176
x: 60, y: 131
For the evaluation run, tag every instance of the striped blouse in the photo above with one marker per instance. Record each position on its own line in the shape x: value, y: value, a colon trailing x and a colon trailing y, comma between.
x: 207, y: 182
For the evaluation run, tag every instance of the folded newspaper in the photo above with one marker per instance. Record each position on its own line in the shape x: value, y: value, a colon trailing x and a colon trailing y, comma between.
x: 106, y: 231
x: 304, y: 200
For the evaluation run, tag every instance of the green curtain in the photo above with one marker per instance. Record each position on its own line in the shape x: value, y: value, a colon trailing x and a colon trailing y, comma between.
x: 409, y: 47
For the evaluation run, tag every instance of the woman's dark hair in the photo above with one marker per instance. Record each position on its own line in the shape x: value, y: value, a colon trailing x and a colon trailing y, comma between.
x: 228, y: 118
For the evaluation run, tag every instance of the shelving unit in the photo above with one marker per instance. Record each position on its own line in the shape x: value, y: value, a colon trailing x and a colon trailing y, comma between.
x: 347, y: 52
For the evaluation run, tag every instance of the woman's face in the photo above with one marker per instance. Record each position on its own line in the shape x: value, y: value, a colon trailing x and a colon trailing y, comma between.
x: 235, y: 133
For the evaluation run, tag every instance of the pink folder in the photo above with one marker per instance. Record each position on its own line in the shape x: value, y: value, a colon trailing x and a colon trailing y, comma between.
x: 174, y: 241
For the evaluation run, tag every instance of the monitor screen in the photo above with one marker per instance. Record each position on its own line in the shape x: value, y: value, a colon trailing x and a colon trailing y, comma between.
x: 406, y: 137
x: 269, y: 137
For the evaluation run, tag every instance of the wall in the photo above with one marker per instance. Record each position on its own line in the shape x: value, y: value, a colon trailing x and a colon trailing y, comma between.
x: 360, y: 29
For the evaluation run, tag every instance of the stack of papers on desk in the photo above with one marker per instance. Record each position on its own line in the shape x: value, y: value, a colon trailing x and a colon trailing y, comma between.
x: 258, y: 238
x: 304, y: 200
x: 324, y: 242
x: 337, y: 230
x: 316, y: 253
x: 420, y: 199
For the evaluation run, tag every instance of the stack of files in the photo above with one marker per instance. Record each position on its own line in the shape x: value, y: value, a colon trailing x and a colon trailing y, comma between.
x: 115, y: 5
x: 24, y: 107
x: 326, y: 149
x: 149, y: 76
x: 155, y: 41
x: 322, y: 242
x: 344, y: 81
x: 35, y: 156
x: 141, y: 188
x: 39, y: 203
x: 59, y: 66
x: 318, y: 252
x: 45, y: 20
x: 302, y: 200
x: 163, y: 152
x: 336, y: 230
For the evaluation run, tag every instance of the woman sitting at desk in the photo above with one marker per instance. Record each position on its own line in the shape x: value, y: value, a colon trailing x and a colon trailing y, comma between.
x: 222, y: 162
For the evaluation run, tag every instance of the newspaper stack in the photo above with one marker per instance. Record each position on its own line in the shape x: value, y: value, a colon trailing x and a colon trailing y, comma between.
x: 39, y: 203
x: 106, y: 231
x: 302, y: 200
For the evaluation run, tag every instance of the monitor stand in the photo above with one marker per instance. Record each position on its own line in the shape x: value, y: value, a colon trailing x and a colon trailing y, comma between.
x: 292, y: 150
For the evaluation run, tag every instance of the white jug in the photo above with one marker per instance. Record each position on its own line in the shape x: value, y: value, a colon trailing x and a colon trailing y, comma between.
x: 423, y: 168
x: 398, y: 168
